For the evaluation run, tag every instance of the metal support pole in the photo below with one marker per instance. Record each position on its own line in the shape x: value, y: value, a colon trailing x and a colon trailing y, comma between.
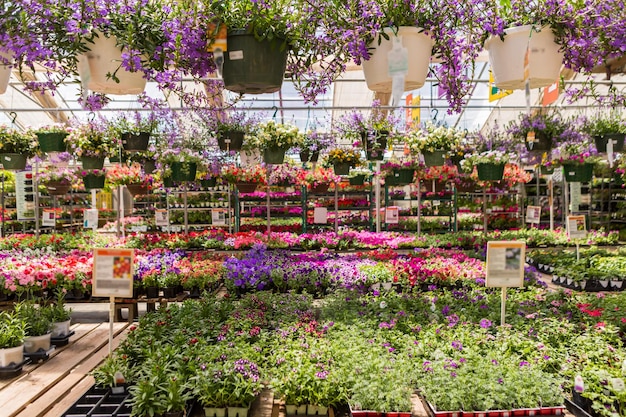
x: 186, y: 212
x: 377, y: 195
x: 419, y: 207
x: 36, y: 198
x: 485, y: 209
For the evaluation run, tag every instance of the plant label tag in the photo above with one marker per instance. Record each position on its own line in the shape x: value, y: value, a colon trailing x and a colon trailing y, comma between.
x: 161, y: 217
x: 235, y: 55
x: 48, y: 218
x: 398, y: 58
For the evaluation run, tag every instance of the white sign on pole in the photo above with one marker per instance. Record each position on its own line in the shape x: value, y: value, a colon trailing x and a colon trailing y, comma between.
x: 24, y: 196
x: 162, y: 217
x: 91, y: 219
x: 218, y: 217
x: 575, y: 196
x: 392, y: 215
x: 533, y: 214
x: 576, y: 227
x: 48, y: 218
x: 320, y: 215
x: 505, y: 263
x: 113, y: 272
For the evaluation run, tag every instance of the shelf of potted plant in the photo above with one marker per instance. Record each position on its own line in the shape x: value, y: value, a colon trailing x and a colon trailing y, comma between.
x: 16, y: 147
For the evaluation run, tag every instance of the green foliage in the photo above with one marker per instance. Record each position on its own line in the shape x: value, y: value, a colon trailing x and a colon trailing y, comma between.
x: 12, y: 330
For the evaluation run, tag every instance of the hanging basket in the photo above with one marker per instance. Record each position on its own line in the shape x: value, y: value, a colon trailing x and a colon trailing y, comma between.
x: 135, y: 142
x: 419, y: 45
x: 13, y: 161
x: 578, y: 172
x: 57, y: 188
x: 434, y: 158
x: 319, y: 189
x: 308, y: 156
x: 184, y: 171
x: 102, y: 59
x: 403, y: 176
x: 254, y: 66
x: 506, y: 57
x: 231, y: 140
x: 137, y: 189
x: 342, y: 168
x: 149, y: 166
x: 357, y: 180
x: 116, y: 159
x: 208, y: 183
x: 274, y: 155
x: 375, y: 154
x: 540, y: 143
x: 92, y: 181
x: 168, y: 182
x: 92, y: 162
x: 603, y: 140
x: 5, y: 73
x: 246, y: 187
x: 490, y: 172
x: 52, y: 141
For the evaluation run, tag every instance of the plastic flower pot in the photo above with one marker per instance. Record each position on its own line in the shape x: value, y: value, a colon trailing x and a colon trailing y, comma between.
x: 57, y: 188
x: 308, y: 156
x: 490, y: 172
x: 341, y: 168
x: 540, y: 143
x: 246, y: 187
x: 92, y: 162
x: 52, y: 141
x: 357, y: 180
x: 274, y: 155
x: 215, y: 411
x: 208, y: 183
x: 60, y: 329
x: 92, y: 181
x: 578, y: 172
x: 34, y: 344
x: 617, y: 139
x: 137, y: 189
x: 254, y: 66
x: 13, y: 161
x: 184, y: 171
x: 11, y: 356
x: 132, y: 142
x: 237, y: 411
x: 403, y: 176
x: 149, y: 166
x: 434, y: 158
x: 230, y: 140
x: 320, y: 189
x: 506, y: 57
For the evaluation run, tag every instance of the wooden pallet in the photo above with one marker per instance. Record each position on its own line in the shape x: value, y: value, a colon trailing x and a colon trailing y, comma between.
x: 51, y: 387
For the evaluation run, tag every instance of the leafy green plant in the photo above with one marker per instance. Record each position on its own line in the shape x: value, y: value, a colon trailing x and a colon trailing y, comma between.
x: 12, y: 330
x: 57, y: 312
x: 36, y: 319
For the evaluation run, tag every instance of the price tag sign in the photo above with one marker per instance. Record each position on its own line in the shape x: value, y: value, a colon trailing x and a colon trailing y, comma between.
x: 162, y: 217
x: 505, y: 264
x: 218, y: 217
x: 113, y: 272
x: 48, y: 218
x: 576, y: 227
x: 533, y: 214
x: 392, y: 215
x: 91, y: 219
x: 320, y: 215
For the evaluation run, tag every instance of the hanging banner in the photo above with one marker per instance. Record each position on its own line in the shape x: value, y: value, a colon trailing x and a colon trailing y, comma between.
x: 494, y: 92
x: 113, y: 272
x: 576, y: 227
x: 550, y: 94
x: 505, y: 263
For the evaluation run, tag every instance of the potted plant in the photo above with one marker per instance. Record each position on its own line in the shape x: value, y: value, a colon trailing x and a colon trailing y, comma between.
x: 358, y: 175
x: 57, y: 181
x: 182, y: 163
x: 12, y: 334
x: 434, y: 142
x: 131, y: 176
x: 112, y: 374
x: 59, y: 316
x: 164, y: 393
x: 342, y: 159
x: 489, y: 164
x: 399, y: 172
x: 607, y: 129
x: 274, y: 139
x: 92, y: 143
x: 134, y: 130
x: 539, y: 130
x: 92, y: 178
x: 230, y: 128
x: 38, y: 326
x: 16, y: 147
x: 318, y: 180
x: 52, y: 138
x: 245, y: 178
x: 577, y: 160
x: 313, y: 142
x: 285, y: 175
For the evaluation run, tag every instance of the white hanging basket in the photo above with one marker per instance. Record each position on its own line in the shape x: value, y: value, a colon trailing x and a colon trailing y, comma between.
x: 104, y: 57
x: 5, y: 74
x: 506, y: 57
x: 420, y: 46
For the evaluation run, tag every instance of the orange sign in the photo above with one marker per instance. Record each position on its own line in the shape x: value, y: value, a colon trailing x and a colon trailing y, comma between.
x: 550, y: 94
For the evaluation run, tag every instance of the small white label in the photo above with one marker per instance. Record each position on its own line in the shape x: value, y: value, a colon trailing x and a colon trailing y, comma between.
x: 7, y: 158
x: 235, y: 55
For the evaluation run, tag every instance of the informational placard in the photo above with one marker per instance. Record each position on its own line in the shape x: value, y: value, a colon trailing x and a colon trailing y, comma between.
x: 320, y: 215
x: 161, y: 217
x: 24, y: 196
x: 505, y: 263
x: 533, y: 214
x: 90, y: 220
x: 48, y: 218
x: 576, y: 227
x: 113, y: 272
x: 392, y: 215
x: 218, y: 217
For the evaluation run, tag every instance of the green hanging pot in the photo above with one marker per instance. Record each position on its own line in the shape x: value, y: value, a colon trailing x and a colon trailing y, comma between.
x: 434, y: 158
x: 342, y: 168
x: 208, y: 183
x: 13, y: 161
x: 168, y: 182
x: 603, y: 140
x: 52, y: 141
x: 149, y: 166
x: 357, y: 180
x: 254, y: 66
x: 274, y: 155
x: 403, y: 176
x: 92, y: 181
x: 231, y: 140
x: 578, y: 172
x: 490, y: 172
x: 184, y: 171
x: 92, y: 162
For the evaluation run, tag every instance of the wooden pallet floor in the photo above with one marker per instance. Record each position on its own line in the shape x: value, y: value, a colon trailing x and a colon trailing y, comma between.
x: 49, y: 388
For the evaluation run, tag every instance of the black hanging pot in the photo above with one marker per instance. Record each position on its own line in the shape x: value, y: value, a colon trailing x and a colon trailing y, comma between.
x: 540, y: 142
x: 52, y: 141
x: 138, y: 142
x: 231, y: 140
x: 254, y: 66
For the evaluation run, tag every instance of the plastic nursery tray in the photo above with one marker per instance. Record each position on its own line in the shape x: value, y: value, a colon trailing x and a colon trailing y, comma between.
x: 62, y: 341
x: 98, y: 402
x: 11, y: 371
x: 576, y: 409
x: 40, y: 355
